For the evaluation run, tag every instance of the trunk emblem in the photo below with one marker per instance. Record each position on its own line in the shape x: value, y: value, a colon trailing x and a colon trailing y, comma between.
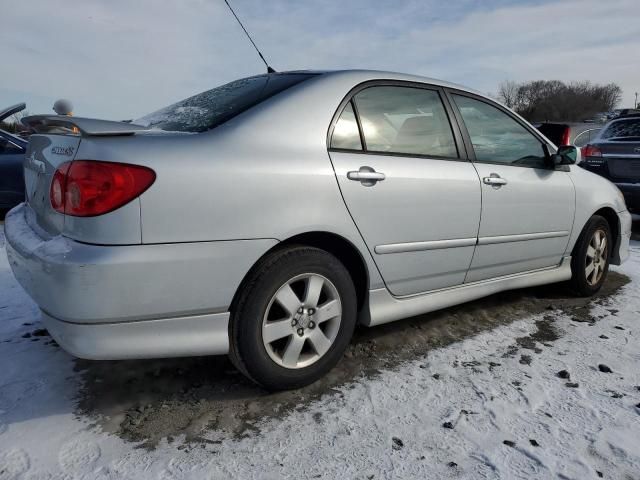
x: 68, y: 151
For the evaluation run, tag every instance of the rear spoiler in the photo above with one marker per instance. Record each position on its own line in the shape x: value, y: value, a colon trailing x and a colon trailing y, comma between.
x: 78, y: 125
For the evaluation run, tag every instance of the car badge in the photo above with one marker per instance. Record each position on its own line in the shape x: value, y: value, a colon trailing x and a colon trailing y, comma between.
x: 68, y: 151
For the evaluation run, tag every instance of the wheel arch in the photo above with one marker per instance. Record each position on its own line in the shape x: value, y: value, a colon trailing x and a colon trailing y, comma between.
x: 610, y: 215
x: 337, y: 245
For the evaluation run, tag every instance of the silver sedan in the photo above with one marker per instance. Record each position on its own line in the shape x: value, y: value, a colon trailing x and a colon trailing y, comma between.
x: 267, y: 217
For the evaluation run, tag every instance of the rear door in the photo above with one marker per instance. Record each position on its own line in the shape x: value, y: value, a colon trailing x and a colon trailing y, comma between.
x: 527, y: 207
x: 407, y: 183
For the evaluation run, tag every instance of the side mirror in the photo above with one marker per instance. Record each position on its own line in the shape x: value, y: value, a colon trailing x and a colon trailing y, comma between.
x: 569, y: 155
x: 566, y: 155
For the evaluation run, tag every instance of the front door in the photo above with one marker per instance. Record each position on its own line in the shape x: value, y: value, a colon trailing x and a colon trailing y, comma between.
x: 412, y: 193
x: 527, y: 206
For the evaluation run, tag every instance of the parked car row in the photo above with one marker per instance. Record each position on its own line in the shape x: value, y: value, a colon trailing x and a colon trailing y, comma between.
x: 615, y: 155
x: 612, y: 151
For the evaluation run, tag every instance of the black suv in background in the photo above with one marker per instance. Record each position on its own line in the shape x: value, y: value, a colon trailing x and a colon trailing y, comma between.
x: 615, y: 154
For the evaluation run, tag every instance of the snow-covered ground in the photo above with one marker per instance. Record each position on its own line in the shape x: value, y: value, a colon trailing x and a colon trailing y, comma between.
x: 472, y: 409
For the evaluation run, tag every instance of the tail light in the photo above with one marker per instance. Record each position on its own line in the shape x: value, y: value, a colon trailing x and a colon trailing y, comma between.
x: 591, y: 151
x: 86, y: 188
x: 566, y: 137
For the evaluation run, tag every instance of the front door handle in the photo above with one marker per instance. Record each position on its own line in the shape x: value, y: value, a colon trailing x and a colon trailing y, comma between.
x: 366, y: 175
x: 495, y: 180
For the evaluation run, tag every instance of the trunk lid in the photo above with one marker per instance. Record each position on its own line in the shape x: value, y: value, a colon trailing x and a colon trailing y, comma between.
x: 56, y: 141
x: 45, y: 153
x: 622, y: 159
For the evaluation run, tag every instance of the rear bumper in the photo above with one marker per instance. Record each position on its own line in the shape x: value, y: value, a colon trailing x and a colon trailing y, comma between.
x: 95, y: 295
x: 167, y: 337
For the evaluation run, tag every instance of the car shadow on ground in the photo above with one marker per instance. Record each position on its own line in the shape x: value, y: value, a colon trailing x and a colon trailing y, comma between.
x: 148, y: 400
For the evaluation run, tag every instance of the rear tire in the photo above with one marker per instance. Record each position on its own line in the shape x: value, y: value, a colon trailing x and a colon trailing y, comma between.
x: 294, y: 318
x: 590, y: 257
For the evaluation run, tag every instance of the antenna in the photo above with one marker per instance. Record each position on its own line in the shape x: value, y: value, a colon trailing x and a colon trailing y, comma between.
x: 269, y: 69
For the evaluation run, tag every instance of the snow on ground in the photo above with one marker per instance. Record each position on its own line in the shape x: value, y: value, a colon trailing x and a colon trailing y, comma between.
x: 472, y: 409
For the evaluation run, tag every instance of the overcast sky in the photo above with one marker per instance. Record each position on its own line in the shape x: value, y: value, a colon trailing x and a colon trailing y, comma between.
x: 123, y: 58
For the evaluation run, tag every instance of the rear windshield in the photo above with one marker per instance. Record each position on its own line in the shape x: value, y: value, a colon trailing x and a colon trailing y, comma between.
x: 622, y: 129
x: 209, y: 109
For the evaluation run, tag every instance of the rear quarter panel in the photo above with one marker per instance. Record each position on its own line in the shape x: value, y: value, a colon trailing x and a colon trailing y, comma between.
x: 266, y: 174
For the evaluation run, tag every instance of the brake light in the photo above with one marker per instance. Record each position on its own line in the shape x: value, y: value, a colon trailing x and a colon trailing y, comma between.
x: 57, y: 187
x: 87, y: 188
x: 566, y: 137
x: 591, y: 151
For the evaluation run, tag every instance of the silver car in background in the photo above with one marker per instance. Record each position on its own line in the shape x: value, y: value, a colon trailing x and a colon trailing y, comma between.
x: 267, y: 217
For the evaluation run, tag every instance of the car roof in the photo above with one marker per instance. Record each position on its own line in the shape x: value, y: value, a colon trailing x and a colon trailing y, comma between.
x: 629, y: 115
x: 357, y: 76
x: 363, y: 75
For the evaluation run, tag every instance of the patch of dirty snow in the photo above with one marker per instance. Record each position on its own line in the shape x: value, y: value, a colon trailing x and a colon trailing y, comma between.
x: 473, y: 409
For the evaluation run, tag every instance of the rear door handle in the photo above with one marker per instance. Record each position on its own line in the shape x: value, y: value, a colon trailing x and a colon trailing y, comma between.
x: 494, y: 180
x: 366, y: 175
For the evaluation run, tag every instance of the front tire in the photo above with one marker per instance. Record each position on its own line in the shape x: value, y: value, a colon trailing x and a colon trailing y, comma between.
x: 294, y: 318
x: 590, y: 257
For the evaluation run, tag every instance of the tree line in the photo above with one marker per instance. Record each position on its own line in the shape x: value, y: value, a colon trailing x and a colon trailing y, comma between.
x: 554, y: 100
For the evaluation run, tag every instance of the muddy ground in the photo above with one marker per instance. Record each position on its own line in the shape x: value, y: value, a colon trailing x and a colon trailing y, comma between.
x: 150, y: 400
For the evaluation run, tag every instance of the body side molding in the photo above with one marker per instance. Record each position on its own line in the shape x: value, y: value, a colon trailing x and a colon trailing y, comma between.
x: 523, y: 237
x: 419, y: 246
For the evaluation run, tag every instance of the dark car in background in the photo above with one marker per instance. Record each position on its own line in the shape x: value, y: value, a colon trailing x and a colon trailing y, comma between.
x: 12, y: 150
x: 615, y: 154
x: 577, y: 134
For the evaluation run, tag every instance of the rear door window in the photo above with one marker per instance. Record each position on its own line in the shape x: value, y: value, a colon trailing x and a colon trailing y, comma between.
x: 405, y: 120
x: 346, y: 134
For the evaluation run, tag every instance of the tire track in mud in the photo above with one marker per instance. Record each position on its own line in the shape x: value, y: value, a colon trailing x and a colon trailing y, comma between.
x: 150, y: 400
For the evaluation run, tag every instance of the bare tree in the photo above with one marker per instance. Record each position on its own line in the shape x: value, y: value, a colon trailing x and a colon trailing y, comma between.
x: 12, y: 124
x: 553, y: 100
x: 508, y: 93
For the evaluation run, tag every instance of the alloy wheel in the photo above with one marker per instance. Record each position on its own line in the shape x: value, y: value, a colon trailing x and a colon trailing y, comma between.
x: 302, y: 321
x: 596, y: 259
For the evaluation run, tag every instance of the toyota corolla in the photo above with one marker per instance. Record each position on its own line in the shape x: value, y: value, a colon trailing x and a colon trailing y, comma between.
x: 267, y: 217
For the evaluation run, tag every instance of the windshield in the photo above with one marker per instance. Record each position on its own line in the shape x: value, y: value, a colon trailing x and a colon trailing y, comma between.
x: 209, y: 109
x: 620, y: 129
